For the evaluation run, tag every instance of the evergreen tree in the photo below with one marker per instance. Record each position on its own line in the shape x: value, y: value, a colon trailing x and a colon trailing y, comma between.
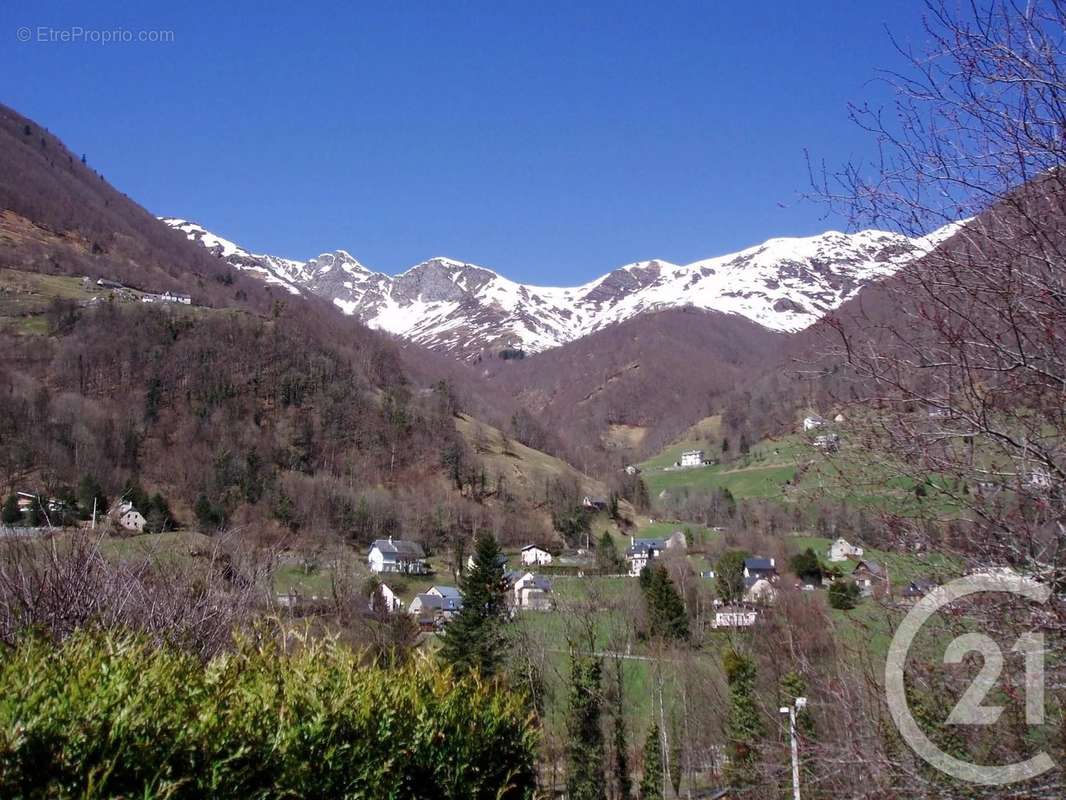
x: 744, y: 727
x: 607, y: 559
x: 651, y: 780
x: 475, y: 639
x: 585, y: 779
x: 843, y: 595
x: 620, y: 764
x: 664, y: 607
x: 11, y: 513
x: 807, y: 566
x: 91, y: 494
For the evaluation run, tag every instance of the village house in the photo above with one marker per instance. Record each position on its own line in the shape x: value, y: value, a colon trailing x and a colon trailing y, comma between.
x: 436, y: 607
x: 632, y: 469
x: 595, y: 503
x: 871, y: 578
x: 385, y: 599
x: 529, y: 591
x: 388, y: 555
x: 691, y: 458
x: 812, y: 422
x: 128, y: 517
x: 827, y: 442
x: 916, y: 590
x: 759, y: 591
x: 734, y: 617
x: 842, y: 550
x: 758, y: 567
x: 501, y: 559
x: 641, y: 552
x: 534, y: 554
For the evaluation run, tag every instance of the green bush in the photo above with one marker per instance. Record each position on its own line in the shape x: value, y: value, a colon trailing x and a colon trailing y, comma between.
x: 112, y: 715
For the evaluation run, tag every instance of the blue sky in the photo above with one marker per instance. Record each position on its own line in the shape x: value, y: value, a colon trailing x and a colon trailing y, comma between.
x: 549, y: 141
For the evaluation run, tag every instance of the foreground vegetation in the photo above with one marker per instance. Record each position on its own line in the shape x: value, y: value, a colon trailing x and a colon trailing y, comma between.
x: 114, y: 715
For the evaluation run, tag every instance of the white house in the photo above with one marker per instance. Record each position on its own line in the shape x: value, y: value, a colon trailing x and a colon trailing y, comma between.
x: 632, y: 469
x: 692, y: 458
x: 531, y: 592
x: 641, y: 552
x: 501, y: 559
x: 388, y: 555
x: 828, y: 442
x: 759, y: 591
x: 533, y: 554
x: 735, y: 617
x: 128, y: 517
x: 597, y: 503
x: 812, y: 422
x: 451, y: 599
x: 385, y: 599
x: 842, y: 550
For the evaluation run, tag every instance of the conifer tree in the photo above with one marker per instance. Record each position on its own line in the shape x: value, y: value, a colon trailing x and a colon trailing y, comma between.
x: 744, y: 727
x: 667, y: 618
x: 11, y: 512
x: 585, y: 779
x: 475, y: 639
x: 651, y: 780
x: 620, y: 763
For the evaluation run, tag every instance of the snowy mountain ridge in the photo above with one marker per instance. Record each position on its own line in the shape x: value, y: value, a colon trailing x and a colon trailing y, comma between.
x: 784, y: 284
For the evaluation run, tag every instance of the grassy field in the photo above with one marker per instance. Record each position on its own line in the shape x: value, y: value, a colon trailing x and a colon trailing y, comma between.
x: 902, y: 567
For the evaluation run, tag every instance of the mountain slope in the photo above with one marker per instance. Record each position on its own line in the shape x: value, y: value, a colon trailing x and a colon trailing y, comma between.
x: 465, y: 310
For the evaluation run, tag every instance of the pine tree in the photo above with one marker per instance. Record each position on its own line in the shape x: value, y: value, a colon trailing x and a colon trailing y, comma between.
x: 607, y: 559
x: 651, y: 781
x: 744, y: 727
x: 475, y: 639
x: 667, y: 618
x: 11, y: 512
x: 585, y: 779
x: 620, y: 764
x: 90, y: 496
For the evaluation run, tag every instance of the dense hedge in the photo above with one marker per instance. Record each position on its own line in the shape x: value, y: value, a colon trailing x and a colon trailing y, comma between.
x: 113, y: 715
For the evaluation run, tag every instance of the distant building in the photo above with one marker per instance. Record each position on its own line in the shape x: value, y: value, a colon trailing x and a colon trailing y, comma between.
x: 842, y: 550
x: 501, y: 559
x: 812, y: 422
x: 735, y: 617
x: 103, y: 283
x: 451, y: 599
x: 827, y: 442
x: 173, y: 297
x: 759, y: 591
x: 641, y: 552
x: 128, y: 517
x: 534, y: 554
x: 916, y: 590
x: 387, y: 555
x: 632, y: 469
x: 596, y: 503
x: 758, y: 567
x: 871, y: 578
x: 385, y: 599
x: 691, y: 458
x: 531, y: 592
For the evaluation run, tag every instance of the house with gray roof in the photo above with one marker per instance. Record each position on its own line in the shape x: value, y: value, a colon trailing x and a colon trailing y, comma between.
x: 397, y: 555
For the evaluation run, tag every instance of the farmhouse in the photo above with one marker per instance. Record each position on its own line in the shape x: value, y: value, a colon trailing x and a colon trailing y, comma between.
x: 632, y: 469
x: 871, y: 578
x: 385, y: 599
x: 812, y: 422
x: 827, y: 442
x: 534, y: 554
x: 735, y: 617
x: 597, y: 503
x: 387, y: 555
x: 758, y: 567
x: 641, y: 551
x: 842, y: 550
x: 451, y: 599
x: 692, y: 458
x: 530, y: 592
x: 128, y: 517
x: 916, y: 590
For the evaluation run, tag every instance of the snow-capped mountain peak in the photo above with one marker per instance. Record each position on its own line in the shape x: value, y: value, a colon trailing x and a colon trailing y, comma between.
x: 783, y: 284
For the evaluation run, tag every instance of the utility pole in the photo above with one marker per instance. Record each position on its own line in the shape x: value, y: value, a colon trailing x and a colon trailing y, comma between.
x: 799, y: 705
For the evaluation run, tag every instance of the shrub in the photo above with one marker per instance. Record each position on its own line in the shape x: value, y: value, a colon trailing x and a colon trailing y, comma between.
x: 108, y: 715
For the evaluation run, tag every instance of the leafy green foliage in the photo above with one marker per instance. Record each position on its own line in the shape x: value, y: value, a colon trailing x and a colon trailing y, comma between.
x: 103, y: 716
x: 475, y: 639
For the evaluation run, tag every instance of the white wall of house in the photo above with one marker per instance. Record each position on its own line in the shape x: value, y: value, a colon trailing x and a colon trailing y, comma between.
x: 692, y: 458
x: 376, y: 560
x: 535, y: 555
